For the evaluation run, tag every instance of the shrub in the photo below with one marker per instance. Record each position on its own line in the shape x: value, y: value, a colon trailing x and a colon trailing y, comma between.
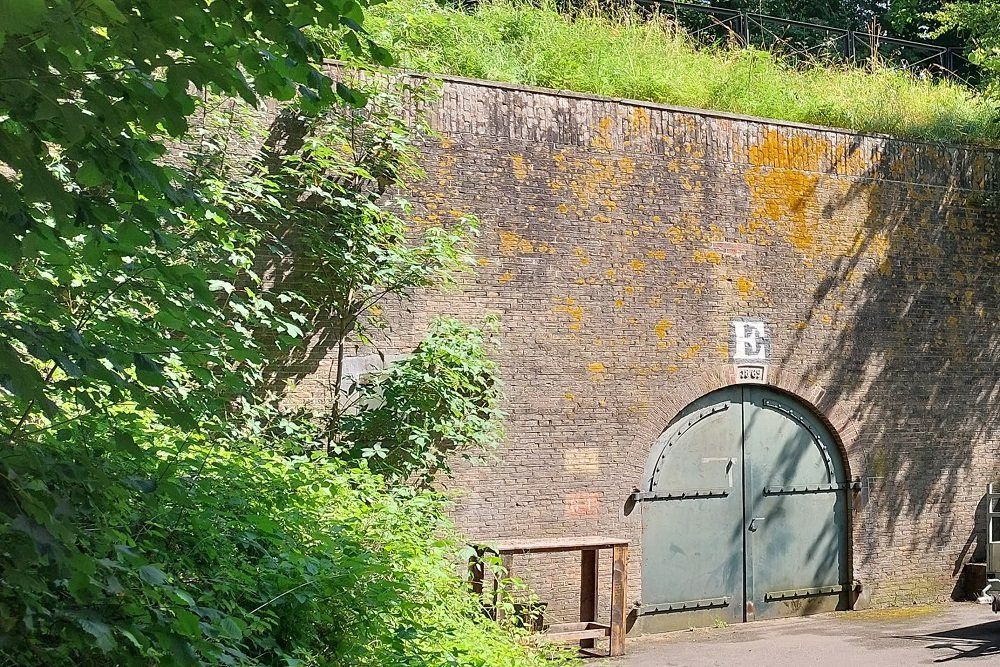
x: 189, y: 550
x: 442, y: 399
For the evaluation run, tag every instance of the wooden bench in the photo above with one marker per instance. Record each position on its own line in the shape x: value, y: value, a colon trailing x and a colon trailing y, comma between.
x: 588, y: 629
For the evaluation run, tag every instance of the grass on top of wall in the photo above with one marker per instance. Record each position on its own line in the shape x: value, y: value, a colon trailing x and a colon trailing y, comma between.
x: 625, y: 55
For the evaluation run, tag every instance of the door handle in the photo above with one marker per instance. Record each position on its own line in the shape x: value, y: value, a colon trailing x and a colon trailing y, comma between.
x: 753, y: 523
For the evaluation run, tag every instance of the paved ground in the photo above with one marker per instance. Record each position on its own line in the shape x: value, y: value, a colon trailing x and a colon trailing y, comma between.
x: 960, y: 633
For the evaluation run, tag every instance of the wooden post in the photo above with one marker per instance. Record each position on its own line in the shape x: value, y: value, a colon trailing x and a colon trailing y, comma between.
x: 477, y: 572
x: 507, y: 563
x: 619, y: 585
x: 588, y: 590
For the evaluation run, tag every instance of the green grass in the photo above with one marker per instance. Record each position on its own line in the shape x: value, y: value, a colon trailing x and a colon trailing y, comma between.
x: 627, y: 56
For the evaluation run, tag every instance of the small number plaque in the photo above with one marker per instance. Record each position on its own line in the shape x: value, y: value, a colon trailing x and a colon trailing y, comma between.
x: 751, y: 373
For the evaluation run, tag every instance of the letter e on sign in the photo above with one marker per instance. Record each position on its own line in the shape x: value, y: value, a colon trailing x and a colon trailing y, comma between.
x: 749, y: 341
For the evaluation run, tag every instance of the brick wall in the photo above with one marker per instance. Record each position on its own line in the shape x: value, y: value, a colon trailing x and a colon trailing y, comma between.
x: 619, y: 241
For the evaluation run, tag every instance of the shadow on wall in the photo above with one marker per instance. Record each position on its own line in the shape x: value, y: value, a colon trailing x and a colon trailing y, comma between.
x: 285, y: 271
x: 916, y: 353
x: 293, y: 266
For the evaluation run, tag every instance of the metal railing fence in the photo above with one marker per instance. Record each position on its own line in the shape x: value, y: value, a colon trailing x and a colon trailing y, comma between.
x: 804, y: 42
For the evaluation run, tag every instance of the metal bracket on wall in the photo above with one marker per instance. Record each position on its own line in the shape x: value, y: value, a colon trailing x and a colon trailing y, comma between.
x: 686, y: 494
x: 687, y: 605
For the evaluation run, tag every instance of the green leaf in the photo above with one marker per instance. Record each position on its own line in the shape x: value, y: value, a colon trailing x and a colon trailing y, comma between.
x: 380, y: 54
x: 354, y: 97
x: 353, y: 12
x: 147, y: 371
x: 230, y: 628
x: 187, y: 623
x: 221, y: 286
x: 110, y: 10
x: 125, y: 441
x: 131, y: 234
x: 101, y: 632
x: 152, y: 575
x: 89, y: 174
x: 21, y: 16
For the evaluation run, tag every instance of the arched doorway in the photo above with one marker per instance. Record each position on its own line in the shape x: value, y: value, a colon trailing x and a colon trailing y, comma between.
x: 744, y: 513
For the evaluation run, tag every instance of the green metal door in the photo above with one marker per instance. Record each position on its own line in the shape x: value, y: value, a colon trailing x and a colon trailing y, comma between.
x: 744, y: 514
x: 795, y: 493
x: 692, y: 515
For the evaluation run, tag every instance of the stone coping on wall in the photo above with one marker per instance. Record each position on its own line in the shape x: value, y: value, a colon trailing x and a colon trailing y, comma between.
x: 902, y: 159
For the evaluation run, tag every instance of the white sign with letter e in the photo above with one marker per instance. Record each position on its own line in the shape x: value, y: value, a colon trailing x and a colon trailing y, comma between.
x: 750, y: 348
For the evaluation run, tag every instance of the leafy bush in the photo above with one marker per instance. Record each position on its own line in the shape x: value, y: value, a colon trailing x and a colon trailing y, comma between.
x: 112, y: 263
x: 441, y: 399
x: 624, y: 54
x: 195, y: 550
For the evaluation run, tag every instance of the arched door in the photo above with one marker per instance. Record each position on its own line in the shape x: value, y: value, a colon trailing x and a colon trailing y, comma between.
x: 744, y: 514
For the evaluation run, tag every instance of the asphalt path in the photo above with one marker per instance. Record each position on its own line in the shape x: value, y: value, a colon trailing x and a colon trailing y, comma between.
x: 959, y: 633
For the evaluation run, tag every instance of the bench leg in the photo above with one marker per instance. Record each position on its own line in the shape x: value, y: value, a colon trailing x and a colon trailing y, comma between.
x: 588, y: 590
x: 477, y: 573
x: 619, y: 585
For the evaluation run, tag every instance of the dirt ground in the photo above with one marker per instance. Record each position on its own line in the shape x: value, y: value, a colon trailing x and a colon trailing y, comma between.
x: 919, y: 635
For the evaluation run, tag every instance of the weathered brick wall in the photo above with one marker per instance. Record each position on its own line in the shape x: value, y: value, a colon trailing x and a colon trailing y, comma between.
x: 619, y: 240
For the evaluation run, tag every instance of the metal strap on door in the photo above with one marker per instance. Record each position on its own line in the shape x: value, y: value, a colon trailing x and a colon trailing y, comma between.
x: 824, y: 452
x: 804, y: 592
x: 685, y: 494
x: 687, y: 605
x: 811, y: 488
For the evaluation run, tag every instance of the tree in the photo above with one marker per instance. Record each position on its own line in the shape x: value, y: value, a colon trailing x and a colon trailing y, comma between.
x: 106, y: 252
x: 978, y: 22
x: 912, y: 19
x: 907, y: 19
x: 152, y: 509
x: 128, y: 300
x: 346, y: 242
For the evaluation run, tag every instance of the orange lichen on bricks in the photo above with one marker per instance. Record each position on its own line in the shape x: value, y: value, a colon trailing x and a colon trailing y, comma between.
x: 603, y: 139
x: 574, y: 310
x: 519, y: 167
x: 596, y: 368
x: 512, y: 243
x: 662, y: 328
x: 706, y: 256
x: 790, y: 187
x: 744, y: 286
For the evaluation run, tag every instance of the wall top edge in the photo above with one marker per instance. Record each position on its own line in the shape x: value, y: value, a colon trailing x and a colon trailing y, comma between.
x: 705, y: 113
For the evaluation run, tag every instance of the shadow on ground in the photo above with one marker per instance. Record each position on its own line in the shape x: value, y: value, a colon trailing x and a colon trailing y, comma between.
x: 974, y: 641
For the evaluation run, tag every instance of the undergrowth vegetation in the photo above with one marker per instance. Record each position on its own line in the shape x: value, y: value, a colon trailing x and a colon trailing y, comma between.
x: 242, y: 549
x: 624, y: 54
